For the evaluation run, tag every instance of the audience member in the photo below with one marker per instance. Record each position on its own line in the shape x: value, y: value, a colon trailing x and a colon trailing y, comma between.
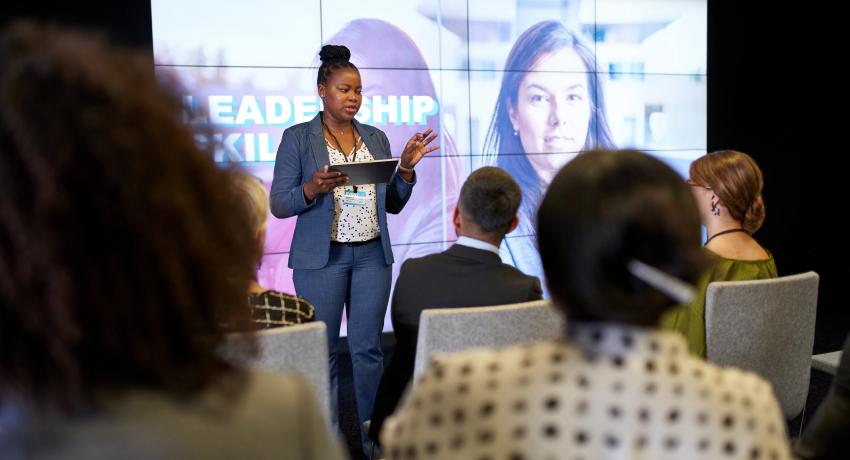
x: 269, y: 308
x: 122, y: 253
x: 617, y: 233
x: 727, y: 187
x: 468, y: 274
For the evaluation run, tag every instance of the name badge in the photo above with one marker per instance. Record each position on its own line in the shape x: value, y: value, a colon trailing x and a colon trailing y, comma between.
x: 352, y: 198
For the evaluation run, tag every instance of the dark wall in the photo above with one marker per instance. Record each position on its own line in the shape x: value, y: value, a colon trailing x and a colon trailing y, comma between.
x: 761, y: 100
x: 127, y: 22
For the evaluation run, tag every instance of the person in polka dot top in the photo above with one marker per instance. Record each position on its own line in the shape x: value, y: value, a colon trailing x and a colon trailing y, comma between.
x: 615, y: 386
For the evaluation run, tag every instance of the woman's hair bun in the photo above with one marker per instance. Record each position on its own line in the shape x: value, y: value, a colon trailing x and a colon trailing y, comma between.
x: 334, y: 53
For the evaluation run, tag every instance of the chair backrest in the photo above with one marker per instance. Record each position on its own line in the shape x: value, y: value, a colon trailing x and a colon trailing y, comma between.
x: 456, y: 329
x: 768, y: 327
x: 303, y: 349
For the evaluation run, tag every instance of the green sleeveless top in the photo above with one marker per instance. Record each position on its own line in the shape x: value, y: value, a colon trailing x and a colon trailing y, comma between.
x: 689, y: 319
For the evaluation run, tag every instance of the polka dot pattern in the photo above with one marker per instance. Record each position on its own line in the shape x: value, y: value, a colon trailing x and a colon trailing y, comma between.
x: 606, y: 392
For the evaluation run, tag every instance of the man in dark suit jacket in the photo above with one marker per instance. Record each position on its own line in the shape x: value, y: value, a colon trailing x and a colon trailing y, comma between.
x: 468, y: 274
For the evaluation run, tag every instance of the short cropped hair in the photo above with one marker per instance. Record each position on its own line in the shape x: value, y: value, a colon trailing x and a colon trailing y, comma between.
x: 603, y: 210
x: 490, y: 197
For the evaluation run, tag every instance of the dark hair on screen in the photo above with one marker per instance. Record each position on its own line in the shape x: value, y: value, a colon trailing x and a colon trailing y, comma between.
x: 541, y: 39
x: 122, y: 245
x: 334, y: 57
x: 604, y: 209
x: 490, y: 197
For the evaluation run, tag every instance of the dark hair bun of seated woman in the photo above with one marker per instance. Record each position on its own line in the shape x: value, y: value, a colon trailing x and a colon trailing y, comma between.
x: 334, y: 53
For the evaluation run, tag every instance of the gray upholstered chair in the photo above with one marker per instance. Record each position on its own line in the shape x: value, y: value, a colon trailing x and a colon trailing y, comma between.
x: 768, y: 327
x: 827, y: 362
x: 301, y: 348
x: 455, y: 329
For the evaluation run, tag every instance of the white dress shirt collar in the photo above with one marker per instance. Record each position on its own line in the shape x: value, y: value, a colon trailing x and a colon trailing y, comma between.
x: 477, y: 244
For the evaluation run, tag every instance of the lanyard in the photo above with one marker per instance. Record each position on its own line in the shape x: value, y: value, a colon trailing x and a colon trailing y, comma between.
x: 339, y: 145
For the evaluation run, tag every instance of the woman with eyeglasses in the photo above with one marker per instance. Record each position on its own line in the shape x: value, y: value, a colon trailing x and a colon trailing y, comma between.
x: 727, y: 187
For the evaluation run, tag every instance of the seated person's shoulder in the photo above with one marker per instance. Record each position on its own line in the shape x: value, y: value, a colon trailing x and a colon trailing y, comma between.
x: 245, y: 397
x: 741, y: 250
x: 415, y: 262
x: 476, y: 363
x: 742, y: 391
x: 421, y: 264
x: 531, y: 282
x: 282, y: 408
x: 520, y: 274
x: 272, y: 308
x: 253, y: 397
x: 275, y: 298
x: 285, y: 388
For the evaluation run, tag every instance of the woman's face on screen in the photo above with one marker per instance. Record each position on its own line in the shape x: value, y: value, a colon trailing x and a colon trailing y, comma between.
x: 552, y: 111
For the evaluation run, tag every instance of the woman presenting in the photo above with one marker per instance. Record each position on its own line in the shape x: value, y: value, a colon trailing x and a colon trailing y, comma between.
x: 341, y: 253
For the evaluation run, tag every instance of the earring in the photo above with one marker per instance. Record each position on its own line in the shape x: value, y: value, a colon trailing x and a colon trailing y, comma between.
x: 516, y: 133
x: 715, y: 210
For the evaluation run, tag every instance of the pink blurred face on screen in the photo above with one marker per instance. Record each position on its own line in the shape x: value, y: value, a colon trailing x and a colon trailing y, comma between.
x: 552, y: 111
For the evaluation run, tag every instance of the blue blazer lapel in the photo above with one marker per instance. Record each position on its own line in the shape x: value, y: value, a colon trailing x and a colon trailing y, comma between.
x: 320, y: 150
x: 317, y: 143
x: 372, y: 141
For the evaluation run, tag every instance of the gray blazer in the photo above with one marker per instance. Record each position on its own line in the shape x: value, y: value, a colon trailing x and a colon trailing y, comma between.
x: 302, y: 152
x: 269, y: 417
